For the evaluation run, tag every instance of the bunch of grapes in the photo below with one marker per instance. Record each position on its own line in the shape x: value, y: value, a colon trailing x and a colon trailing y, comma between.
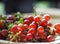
x: 33, y: 29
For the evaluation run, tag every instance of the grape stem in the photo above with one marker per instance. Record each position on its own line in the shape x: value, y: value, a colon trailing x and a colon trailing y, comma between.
x: 14, y: 37
x: 34, y: 11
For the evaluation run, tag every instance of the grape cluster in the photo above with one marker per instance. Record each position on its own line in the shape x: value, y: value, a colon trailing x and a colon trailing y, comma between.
x: 31, y: 29
x: 34, y: 29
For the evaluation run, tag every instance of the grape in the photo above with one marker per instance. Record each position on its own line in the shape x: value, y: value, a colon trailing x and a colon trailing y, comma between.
x: 4, y: 32
x: 26, y: 22
x: 26, y: 26
x: 57, y: 26
x: 43, y: 36
x: 0, y: 35
x: 32, y: 25
x: 40, y: 29
x: 50, y: 38
x: 57, y: 31
x: 49, y: 24
x: 37, y: 37
x: 14, y: 29
x: 9, y: 21
x: 10, y: 18
x: 47, y: 17
x: 2, y: 24
x: 32, y: 31
x: 29, y: 36
x: 21, y: 26
x: 43, y: 22
x: 31, y: 18
x: 23, y: 38
x: 37, y: 18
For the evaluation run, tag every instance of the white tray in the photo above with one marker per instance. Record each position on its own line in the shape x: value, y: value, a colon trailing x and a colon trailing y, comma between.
x: 54, y: 42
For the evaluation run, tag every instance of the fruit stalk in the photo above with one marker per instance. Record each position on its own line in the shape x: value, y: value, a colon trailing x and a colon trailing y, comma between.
x: 34, y: 11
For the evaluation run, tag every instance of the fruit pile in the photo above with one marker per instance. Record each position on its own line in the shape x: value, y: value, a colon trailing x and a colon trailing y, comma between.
x: 31, y: 29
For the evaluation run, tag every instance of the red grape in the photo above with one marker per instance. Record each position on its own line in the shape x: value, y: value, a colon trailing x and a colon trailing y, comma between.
x: 31, y: 18
x: 32, y: 31
x: 25, y: 32
x: 4, y: 32
x: 0, y: 35
x: 57, y: 26
x: 44, y: 22
x: 37, y: 18
x: 10, y: 17
x: 49, y: 24
x: 21, y: 26
x: 57, y: 31
x: 50, y: 38
x: 29, y: 36
x: 26, y: 26
x: 32, y: 25
x: 1, y: 24
x: 43, y: 36
x: 40, y: 29
x: 14, y: 29
x: 23, y: 38
x: 47, y: 17
x: 37, y: 37
x: 26, y: 22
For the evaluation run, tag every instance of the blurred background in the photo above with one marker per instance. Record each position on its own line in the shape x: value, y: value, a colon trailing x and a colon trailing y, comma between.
x: 26, y: 6
x: 52, y: 7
